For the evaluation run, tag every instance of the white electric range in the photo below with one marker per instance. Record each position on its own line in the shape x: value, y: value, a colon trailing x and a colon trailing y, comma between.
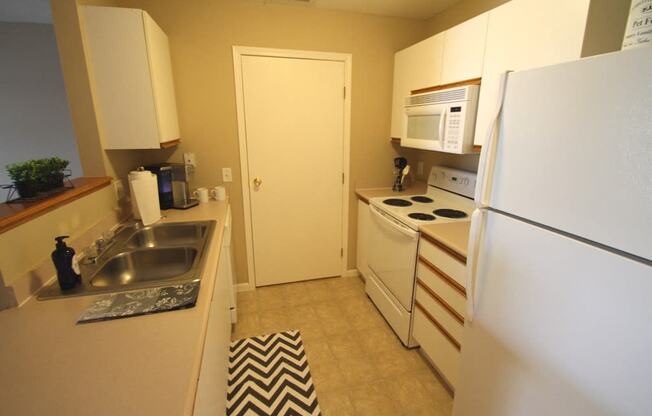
x: 394, y: 240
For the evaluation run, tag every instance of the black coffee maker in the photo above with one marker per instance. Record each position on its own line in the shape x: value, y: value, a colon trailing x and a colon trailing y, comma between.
x: 173, y: 191
x: 399, y: 164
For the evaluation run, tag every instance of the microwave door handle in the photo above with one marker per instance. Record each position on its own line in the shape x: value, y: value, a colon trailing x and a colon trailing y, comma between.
x: 393, y: 224
x: 442, y: 124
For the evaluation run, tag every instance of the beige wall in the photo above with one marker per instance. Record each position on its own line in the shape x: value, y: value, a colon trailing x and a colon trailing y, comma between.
x: 201, y: 35
x: 25, y: 250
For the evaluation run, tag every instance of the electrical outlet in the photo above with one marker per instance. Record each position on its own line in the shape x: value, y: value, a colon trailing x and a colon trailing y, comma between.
x: 420, y: 168
x: 189, y: 159
x: 226, y: 175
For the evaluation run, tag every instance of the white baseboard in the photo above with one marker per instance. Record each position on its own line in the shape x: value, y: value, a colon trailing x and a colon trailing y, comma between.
x: 351, y: 273
x: 243, y: 287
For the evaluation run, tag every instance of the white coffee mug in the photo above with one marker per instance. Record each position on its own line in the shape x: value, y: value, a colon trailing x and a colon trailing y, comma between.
x: 201, y: 194
x: 219, y: 193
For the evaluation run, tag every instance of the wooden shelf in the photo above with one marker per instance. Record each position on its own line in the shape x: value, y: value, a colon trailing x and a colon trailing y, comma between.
x: 14, y: 214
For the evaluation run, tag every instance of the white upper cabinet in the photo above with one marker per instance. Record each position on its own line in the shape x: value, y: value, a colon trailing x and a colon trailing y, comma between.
x: 131, y: 76
x: 418, y: 66
x: 464, y: 47
x: 525, y: 34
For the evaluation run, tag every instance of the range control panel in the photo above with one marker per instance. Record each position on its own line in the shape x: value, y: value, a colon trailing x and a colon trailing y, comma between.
x: 453, y: 180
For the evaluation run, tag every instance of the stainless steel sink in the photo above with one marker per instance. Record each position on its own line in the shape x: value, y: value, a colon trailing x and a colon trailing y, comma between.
x: 168, y: 235
x: 140, y: 257
x: 145, y: 266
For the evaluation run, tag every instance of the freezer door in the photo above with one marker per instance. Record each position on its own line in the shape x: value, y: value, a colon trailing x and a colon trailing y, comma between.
x: 574, y: 149
x: 561, y: 328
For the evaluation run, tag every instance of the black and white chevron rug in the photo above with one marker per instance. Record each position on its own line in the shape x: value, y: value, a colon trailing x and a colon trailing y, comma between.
x: 269, y: 375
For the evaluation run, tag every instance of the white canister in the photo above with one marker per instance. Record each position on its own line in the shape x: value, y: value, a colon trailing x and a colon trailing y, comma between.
x: 639, y: 25
x: 201, y: 194
x: 219, y: 193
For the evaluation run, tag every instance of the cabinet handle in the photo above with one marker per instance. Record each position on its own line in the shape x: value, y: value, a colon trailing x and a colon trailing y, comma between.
x: 437, y: 325
x: 459, y: 318
x: 258, y: 182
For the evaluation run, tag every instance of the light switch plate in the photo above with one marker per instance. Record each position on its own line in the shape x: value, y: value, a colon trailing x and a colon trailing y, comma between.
x: 226, y: 175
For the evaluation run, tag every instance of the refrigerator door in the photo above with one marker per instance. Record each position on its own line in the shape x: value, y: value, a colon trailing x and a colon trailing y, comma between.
x: 574, y: 150
x: 561, y: 328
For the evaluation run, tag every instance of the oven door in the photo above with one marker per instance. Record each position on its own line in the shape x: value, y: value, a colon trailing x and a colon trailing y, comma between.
x: 424, y: 127
x: 392, y: 253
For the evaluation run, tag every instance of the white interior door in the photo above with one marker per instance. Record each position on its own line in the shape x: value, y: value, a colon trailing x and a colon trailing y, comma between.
x: 294, y: 121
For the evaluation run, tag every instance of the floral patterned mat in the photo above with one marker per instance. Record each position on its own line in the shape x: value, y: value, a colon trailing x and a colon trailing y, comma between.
x: 141, y: 302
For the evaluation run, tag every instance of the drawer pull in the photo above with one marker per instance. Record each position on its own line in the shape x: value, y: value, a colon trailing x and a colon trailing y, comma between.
x: 441, y: 329
x: 454, y: 254
x: 459, y: 318
x: 446, y: 278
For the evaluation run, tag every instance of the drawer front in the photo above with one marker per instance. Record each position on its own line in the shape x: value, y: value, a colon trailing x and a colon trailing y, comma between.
x: 443, y: 261
x: 452, y: 294
x: 439, y: 310
x: 444, y: 355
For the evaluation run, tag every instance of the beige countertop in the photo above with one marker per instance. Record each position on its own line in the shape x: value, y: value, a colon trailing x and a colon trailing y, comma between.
x: 449, y: 236
x: 145, y: 365
x: 417, y: 188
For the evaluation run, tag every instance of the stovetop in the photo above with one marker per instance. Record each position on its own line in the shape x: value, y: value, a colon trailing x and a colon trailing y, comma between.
x: 438, y: 205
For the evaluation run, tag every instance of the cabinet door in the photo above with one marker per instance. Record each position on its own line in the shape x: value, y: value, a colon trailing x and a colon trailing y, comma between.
x: 464, y: 47
x: 523, y: 34
x: 418, y: 66
x: 363, y: 227
x: 210, y: 398
x: 119, y: 69
x: 160, y: 68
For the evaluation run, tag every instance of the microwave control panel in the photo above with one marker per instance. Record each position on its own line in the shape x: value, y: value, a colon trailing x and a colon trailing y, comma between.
x: 454, y: 129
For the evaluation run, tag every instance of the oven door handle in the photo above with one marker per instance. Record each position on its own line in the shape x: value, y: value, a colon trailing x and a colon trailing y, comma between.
x: 385, y: 219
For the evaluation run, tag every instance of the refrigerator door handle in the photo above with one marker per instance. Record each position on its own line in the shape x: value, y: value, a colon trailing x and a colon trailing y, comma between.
x: 475, y: 234
x: 487, y: 155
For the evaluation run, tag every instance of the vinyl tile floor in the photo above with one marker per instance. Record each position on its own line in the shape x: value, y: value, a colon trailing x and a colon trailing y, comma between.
x: 358, y: 365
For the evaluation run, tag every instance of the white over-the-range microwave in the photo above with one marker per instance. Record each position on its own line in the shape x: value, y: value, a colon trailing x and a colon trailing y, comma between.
x: 441, y: 120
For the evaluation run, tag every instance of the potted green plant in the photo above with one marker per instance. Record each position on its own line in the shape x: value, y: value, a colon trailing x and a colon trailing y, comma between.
x: 40, y: 175
x: 52, y: 172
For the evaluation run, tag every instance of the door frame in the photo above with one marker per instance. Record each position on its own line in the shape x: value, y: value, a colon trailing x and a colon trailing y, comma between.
x: 346, y: 58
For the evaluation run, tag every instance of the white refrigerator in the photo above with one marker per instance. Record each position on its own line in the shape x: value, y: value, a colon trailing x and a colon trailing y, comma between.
x: 559, y: 277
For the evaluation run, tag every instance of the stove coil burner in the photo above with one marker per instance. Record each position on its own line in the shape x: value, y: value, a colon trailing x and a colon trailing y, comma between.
x: 423, y: 199
x: 395, y: 202
x: 450, y: 213
x: 421, y: 216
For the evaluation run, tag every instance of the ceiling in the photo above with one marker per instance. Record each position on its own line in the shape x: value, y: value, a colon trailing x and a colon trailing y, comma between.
x: 30, y: 11
x: 412, y: 9
x: 38, y: 11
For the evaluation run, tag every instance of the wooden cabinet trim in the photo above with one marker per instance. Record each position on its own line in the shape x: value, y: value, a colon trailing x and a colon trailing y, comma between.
x: 446, y: 278
x: 171, y: 143
x: 441, y: 329
x: 473, y: 81
x: 457, y: 256
x: 459, y: 318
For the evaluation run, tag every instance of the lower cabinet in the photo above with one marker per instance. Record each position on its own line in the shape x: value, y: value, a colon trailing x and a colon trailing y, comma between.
x: 363, y: 227
x: 212, y: 384
x: 439, y: 309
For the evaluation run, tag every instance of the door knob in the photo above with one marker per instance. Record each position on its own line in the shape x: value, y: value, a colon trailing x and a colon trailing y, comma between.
x: 258, y: 182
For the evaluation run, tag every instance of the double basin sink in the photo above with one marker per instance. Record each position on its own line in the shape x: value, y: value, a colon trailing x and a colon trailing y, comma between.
x: 140, y: 257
